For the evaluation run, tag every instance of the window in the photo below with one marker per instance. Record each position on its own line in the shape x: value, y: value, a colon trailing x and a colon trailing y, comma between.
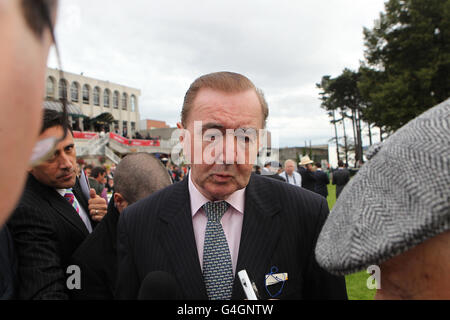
x: 86, y: 94
x: 106, y: 95
x: 50, y: 87
x: 116, y: 99
x: 133, y: 103
x: 62, y: 89
x: 97, y: 96
x: 74, y: 88
x: 133, y: 127
x: 124, y: 101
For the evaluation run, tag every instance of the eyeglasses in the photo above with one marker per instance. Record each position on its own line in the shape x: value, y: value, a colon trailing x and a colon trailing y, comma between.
x: 45, y: 148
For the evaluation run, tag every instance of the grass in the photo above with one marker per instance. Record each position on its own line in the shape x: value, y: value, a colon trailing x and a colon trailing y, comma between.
x: 356, y: 282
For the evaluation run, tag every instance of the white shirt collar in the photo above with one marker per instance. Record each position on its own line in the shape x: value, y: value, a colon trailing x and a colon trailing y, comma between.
x: 236, y: 199
x: 62, y: 192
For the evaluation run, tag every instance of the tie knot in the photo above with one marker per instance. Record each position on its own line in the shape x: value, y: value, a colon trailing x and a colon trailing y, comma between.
x: 69, y: 195
x: 215, y: 210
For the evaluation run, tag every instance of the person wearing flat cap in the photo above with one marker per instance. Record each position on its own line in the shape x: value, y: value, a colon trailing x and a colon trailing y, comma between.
x: 396, y: 217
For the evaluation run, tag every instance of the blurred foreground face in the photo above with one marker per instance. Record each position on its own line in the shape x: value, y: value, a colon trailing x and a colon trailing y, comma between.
x: 60, y: 171
x: 23, y: 60
x: 223, y: 135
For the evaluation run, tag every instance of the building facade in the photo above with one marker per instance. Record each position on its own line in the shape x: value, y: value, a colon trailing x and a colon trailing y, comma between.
x: 103, y: 104
x: 148, y: 124
x: 318, y: 153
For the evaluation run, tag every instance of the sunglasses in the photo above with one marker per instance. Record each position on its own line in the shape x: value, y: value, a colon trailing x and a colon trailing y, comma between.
x: 44, y: 148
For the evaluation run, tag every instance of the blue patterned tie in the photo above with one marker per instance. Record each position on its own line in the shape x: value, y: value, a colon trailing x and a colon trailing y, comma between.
x: 217, y: 267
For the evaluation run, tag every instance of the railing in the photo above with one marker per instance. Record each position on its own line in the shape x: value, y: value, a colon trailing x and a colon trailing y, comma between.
x: 111, y: 155
x: 91, y: 143
x: 94, y: 146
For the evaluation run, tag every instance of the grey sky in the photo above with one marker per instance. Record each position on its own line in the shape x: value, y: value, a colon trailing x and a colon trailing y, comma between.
x: 160, y: 47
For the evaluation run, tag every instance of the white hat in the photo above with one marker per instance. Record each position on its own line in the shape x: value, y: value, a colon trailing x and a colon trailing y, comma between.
x: 305, y: 160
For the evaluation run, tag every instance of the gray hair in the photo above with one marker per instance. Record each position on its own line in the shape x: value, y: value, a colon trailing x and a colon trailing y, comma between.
x: 138, y: 175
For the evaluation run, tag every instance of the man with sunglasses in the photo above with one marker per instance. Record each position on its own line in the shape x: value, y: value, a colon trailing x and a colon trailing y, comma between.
x: 53, y: 218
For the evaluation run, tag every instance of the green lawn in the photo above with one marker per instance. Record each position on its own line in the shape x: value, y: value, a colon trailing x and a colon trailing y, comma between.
x: 356, y: 282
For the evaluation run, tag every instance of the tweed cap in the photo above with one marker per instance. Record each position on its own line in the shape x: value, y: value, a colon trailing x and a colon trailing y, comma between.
x: 397, y: 200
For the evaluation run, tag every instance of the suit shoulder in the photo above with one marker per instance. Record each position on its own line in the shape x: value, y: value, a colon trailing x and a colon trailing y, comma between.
x: 149, y: 207
x: 283, y: 191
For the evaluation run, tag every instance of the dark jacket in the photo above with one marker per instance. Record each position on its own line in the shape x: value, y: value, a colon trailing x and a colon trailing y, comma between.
x: 322, y: 182
x: 279, y: 232
x: 97, y: 259
x: 275, y: 176
x: 308, y: 179
x: 97, y: 186
x: 8, y: 265
x: 340, y: 178
x: 46, y: 230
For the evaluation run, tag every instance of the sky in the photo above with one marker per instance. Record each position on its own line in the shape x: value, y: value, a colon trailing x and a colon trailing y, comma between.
x: 161, y: 47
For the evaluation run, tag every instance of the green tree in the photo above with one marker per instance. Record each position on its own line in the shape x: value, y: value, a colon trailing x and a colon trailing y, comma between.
x: 407, y: 62
x: 342, y: 93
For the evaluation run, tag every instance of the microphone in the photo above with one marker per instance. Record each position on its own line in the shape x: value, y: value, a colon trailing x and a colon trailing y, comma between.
x: 158, y: 285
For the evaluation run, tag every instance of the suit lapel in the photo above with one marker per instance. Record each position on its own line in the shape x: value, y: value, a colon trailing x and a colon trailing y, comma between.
x: 83, y: 202
x: 80, y: 197
x: 260, y: 233
x: 177, y: 239
x: 61, y: 205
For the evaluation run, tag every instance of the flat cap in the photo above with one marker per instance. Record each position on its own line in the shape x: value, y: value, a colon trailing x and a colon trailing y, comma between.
x: 399, y: 198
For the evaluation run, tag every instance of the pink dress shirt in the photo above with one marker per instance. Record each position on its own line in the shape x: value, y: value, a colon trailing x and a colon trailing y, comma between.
x: 231, y: 221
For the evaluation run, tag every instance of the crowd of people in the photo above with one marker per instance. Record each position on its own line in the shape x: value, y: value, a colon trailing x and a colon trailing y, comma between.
x: 307, y: 174
x: 60, y: 239
x: 102, y: 132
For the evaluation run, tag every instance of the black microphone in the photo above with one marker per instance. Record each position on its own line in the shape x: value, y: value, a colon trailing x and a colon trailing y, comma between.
x: 158, y: 285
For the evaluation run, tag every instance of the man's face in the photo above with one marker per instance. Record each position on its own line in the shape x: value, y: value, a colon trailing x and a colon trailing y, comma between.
x: 289, y: 167
x: 101, y: 178
x: 23, y: 60
x: 60, y: 170
x: 220, y: 111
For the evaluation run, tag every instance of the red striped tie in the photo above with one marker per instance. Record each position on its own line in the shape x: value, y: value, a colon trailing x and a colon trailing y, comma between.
x: 71, y: 198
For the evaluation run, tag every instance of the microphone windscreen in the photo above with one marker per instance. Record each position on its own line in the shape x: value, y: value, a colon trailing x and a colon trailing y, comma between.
x: 158, y: 285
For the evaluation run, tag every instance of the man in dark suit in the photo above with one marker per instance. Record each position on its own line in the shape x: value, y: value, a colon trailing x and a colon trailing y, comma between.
x: 222, y: 219
x: 322, y: 181
x: 341, y: 177
x: 306, y: 171
x: 52, y: 218
x: 137, y: 176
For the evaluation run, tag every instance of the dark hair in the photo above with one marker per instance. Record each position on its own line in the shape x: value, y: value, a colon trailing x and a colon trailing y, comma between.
x: 54, y: 118
x: 340, y: 163
x: 138, y: 175
x: 88, y: 166
x: 96, y: 171
x: 37, y: 14
x: 318, y: 165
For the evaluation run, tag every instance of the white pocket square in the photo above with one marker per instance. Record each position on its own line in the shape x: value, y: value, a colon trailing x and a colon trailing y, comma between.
x: 273, y: 278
